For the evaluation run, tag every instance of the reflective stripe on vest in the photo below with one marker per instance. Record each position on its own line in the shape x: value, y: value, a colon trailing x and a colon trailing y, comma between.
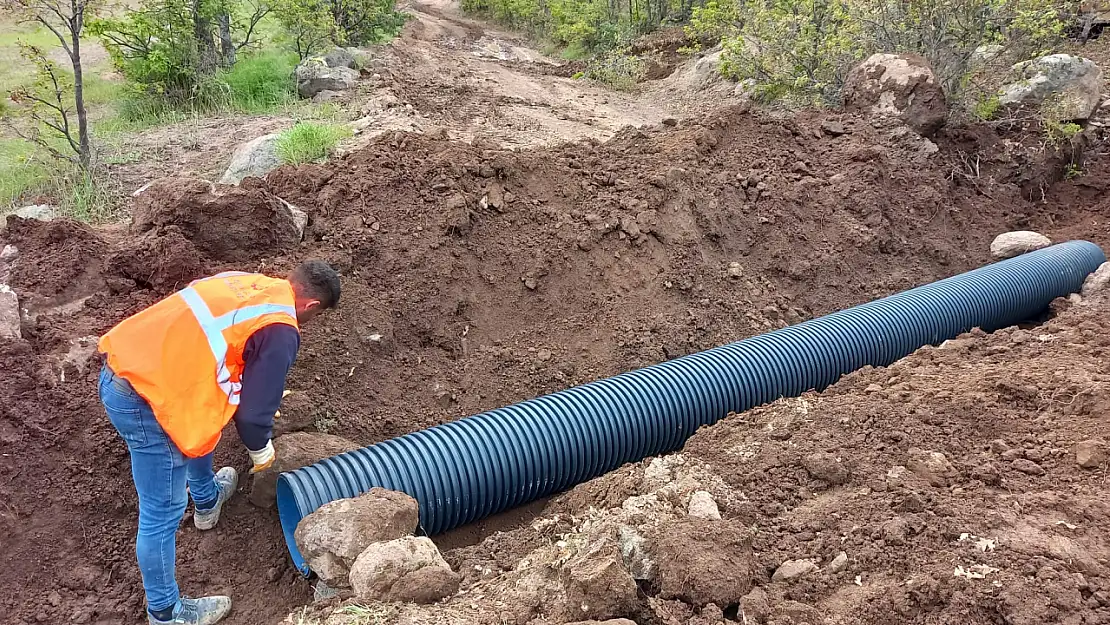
x: 213, y: 328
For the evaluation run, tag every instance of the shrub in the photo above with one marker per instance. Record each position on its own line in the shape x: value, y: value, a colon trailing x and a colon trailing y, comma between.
x: 313, y: 25
x: 617, y: 69
x: 800, y: 50
x: 309, y: 142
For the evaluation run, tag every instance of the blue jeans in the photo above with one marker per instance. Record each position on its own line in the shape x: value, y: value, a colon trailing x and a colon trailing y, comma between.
x: 160, y: 472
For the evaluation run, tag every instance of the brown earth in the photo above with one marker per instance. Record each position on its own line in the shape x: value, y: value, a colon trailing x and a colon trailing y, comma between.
x: 475, y: 277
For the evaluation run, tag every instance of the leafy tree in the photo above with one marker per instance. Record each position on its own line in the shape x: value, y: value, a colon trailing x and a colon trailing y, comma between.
x: 311, y: 26
x: 47, y: 100
x: 169, y: 47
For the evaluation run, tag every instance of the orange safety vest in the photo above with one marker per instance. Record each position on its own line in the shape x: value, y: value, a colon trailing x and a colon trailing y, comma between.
x: 184, y: 355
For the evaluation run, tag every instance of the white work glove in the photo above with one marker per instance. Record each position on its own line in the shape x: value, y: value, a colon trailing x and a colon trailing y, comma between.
x: 263, y: 458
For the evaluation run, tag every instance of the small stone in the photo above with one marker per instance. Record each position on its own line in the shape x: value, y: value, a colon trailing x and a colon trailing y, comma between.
x: 41, y: 212
x: 833, y: 128
x: 544, y: 355
x: 1027, y: 466
x: 9, y: 253
x: 1011, y: 244
x: 530, y: 283
x: 839, y: 563
x: 703, y: 506
x: 755, y: 605
x: 735, y: 270
x: 872, y: 388
x: 827, y: 468
x: 54, y: 598
x: 670, y: 121
x: 895, y: 531
x: 273, y: 574
x: 988, y: 474
x: 792, y: 569
x: 9, y: 314
x: 1091, y: 454
x: 998, y: 446
x: 1013, y: 453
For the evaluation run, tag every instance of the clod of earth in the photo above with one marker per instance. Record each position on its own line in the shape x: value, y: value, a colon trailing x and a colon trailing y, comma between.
x: 701, y: 561
x: 294, y: 451
x: 332, y: 537
x: 931, y: 466
x: 1091, y: 454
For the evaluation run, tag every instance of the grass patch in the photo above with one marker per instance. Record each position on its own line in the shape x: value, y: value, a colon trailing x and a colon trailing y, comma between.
x: 262, y: 82
x: 23, y: 171
x: 309, y: 142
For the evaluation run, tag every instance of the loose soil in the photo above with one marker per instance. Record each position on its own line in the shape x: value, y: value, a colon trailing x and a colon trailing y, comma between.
x: 476, y: 276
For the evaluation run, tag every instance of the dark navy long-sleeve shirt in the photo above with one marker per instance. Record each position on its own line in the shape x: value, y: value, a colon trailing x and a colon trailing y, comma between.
x: 267, y: 359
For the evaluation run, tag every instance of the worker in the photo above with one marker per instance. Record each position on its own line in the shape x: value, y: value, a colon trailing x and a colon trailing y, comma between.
x: 174, y: 375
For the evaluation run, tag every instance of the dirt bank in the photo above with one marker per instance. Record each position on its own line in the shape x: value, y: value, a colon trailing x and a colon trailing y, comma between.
x: 475, y: 277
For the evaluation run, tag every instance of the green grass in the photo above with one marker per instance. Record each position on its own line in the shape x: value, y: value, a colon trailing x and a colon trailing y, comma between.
x: 261, y: 82
x: 23, y: 170
x: 309, y: 142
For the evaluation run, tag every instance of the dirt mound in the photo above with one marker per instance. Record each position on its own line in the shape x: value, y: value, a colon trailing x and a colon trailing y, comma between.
x: 162, y: 260
x: 55, y: 257
x: 239, y: 223
x: 476, y: 277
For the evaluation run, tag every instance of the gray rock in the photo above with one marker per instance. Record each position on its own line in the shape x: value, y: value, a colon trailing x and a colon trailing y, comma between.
x: 7, y: 258
x: 255, y: 158
x: 1016, y: 243
x: 898, y: 85
x: 332, y: 537
x: 407, y: 569
x: 1070, y: 84
x: 294, y: 451
x: 313, y: 76
x: 1097, y: 281
x: 703, y: 506
x: 42, y: 212
x: 327, y: 96
x: 637, y: 560
x: 987, y: 53
x: 792, y: 569
x: 300, y: 218
x: 839, y: 563
x: 1091, y: 454
x: 9, y: 313
x: 340, y: 57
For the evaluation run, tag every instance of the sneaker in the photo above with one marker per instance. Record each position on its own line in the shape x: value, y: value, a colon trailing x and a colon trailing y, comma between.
x: 203, y: 611
x: 226, y: 480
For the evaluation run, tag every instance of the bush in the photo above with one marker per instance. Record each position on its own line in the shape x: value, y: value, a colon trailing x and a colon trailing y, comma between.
x: 311, y: 26
x: 617, y: 69
x: 803, y: 49
x: 799, y: 50
x: 309, y: 142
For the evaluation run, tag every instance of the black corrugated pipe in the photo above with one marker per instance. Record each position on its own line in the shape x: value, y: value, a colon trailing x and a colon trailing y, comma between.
x: 463, y: 471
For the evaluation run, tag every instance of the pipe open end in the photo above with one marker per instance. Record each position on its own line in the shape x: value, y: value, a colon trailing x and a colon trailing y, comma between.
x: 290, y: 514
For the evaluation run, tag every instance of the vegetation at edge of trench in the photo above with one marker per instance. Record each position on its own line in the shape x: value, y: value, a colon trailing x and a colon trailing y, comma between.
x: 308, y: 142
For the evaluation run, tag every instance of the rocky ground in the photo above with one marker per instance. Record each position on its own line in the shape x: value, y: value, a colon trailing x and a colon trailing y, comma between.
x: 479, y: 272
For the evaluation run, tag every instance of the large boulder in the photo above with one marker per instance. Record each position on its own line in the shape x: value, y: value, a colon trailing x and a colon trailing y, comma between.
x: 1097, y: 281
x: 1016, y: 243
x: 340, y: 57
x: 332, y: 537
x: 898, y: 85
x: 407, y: 569
x: 9, y: 313
x: 293, y: 451
x: 255, y: 158
x: 313, y: 76
x: 234, y: 224
x: 1071, y: 85
x: 701, y: 561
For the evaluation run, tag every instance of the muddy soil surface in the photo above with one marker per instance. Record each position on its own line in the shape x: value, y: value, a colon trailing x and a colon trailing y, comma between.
x: 475, y: 277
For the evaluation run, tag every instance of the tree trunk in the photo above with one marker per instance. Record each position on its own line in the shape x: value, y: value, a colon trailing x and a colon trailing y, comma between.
x: 206, y: 47
x: 84, y: 155
x: 227, y: 47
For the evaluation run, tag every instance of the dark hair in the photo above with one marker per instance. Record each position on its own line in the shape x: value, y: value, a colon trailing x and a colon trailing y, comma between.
x: 318, y: 281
